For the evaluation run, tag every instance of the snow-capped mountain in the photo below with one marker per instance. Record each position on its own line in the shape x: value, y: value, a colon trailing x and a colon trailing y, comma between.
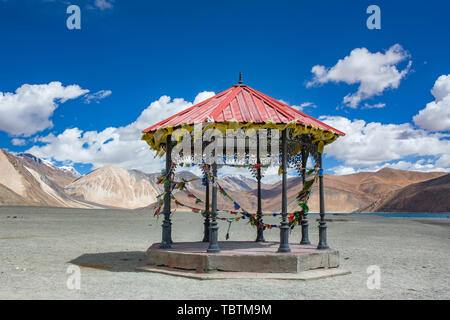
x: 28, y: 180
x: 29, y: 157
x: 71, y: 170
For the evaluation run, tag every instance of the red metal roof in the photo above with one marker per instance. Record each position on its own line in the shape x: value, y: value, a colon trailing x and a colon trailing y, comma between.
x: 243, y: 104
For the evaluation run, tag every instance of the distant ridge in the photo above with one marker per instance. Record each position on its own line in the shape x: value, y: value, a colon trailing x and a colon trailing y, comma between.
x: 29, y: 180
x: 10, y: 198
x: 346, y: 193
x: 428, y: 196
x: 115, y: 187
x: 357, y: 192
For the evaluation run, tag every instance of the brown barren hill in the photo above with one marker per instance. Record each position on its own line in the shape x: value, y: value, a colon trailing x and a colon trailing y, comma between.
x: 59, y: 177
x: 28, y: 180
x: 428, y: 196
x: 114, y: 187
x: 346, y: 193
x: 357, y: 192
x: 10, y: 198
x: 28, y: 183
x: 237, y: 186
x: 34, y: 181
x: 340, y: 196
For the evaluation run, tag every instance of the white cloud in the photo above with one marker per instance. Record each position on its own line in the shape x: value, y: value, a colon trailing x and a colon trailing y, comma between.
x: 304, y: 105
x: 202, y: 96
x: 368, y: 145
x: 420, y: 165
x: 307, y: 104
x: 374, y: 72
x: 160, y: 110
x: 301, y: 106
x: 374, y: 106
x: 18, y: 142
x: 343, y: 170
x: 119, y: 146
x: 97, y: 96
x: 270, y: 174
x: 29, y: 109
x: 104, y: 4
x: 436, y: 115
x: 444, y: 161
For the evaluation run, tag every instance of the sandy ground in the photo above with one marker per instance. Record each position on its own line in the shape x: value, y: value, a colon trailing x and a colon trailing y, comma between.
x: 39, y: 244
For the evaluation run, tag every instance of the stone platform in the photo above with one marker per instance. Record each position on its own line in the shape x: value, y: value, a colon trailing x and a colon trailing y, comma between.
x: 243, y: 259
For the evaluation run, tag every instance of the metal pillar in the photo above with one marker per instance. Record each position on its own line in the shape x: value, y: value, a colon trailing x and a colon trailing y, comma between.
x: 259, y: 230
x: 167, y: 225
x: 322, y: 224
x: 207, y: 213
x: 284, y: 226
x: 213, y: 227
x: 305, y: 224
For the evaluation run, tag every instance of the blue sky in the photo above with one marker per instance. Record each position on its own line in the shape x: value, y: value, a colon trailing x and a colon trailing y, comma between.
x: 131, y: 53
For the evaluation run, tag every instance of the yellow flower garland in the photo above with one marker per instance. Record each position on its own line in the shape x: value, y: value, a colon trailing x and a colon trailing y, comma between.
x: 156, y: 139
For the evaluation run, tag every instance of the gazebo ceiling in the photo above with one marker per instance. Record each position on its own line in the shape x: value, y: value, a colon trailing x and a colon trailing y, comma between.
x: 242, y: 104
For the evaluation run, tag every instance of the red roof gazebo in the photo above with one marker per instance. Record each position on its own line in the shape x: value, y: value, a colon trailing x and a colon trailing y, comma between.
x: 242, y: 107
x: 243, y: 104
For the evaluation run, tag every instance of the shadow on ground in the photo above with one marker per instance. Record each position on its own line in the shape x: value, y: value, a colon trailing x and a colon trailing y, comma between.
x: 126, y: 261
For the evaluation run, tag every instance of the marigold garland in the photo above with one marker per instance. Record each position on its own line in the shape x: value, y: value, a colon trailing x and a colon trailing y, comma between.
x: 156, y: 139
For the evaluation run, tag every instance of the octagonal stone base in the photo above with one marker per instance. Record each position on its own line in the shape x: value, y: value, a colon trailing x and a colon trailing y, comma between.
x: 241, y: 257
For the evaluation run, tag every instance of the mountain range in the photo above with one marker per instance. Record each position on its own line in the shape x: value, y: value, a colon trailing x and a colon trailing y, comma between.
x: 27, y: 180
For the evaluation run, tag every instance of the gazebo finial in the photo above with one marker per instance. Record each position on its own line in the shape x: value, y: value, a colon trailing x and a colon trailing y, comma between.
x: 240, y: 77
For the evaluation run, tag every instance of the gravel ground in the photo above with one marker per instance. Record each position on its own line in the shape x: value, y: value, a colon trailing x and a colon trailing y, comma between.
x: 37, y: 245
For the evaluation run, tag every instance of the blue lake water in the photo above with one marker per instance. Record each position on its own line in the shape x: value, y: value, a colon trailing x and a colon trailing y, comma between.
x: 398, y: 214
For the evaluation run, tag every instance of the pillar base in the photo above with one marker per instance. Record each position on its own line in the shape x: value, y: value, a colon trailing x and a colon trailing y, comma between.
x: 166, y: 233
x: 213, y: 238
x: 165, y: 245
x: 206, y: 232
x: 260, y: 235
x: 170, y: 233
x: 305, y: 235
x: 322, y: 235
x: 284, y: 238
